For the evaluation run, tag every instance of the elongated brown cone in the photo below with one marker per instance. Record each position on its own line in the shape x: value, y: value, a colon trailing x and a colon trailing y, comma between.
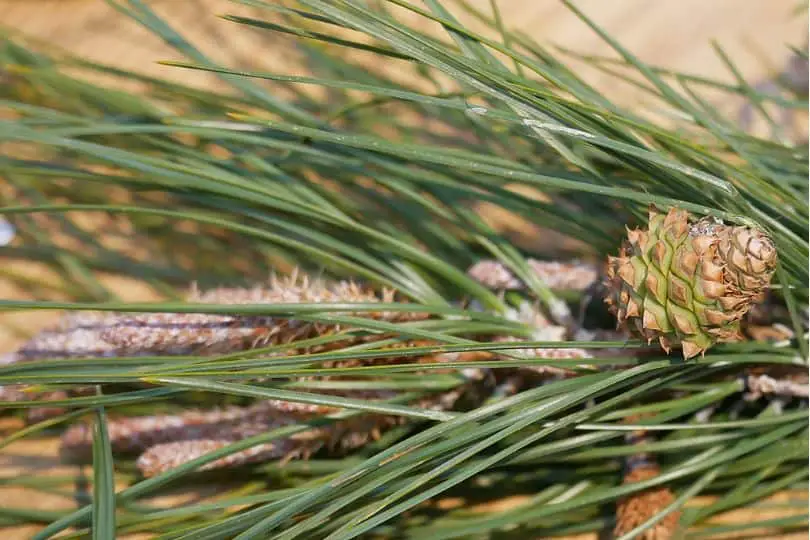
x: 200, y: 333
x: 102, y: 335
x: 97, y: 335
x: 636, y: 509
x: 689, y: 282
x: 561, y: 276
x: 167, y: 441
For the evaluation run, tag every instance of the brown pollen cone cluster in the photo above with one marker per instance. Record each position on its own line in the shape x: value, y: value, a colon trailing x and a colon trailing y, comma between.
x: 689, y: 282
x: 165, y: 441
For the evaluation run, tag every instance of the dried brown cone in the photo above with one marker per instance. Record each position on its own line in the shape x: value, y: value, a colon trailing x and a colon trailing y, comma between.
x: 531, y: 373
x: 636, y: 509
x: 563, y: 276
x: 513, y: 380
x: 35, y: 414
x: 167, y: 441
x: 76, y: 335
x: 94, y: 335
x: 136, y: 434
x: 341, y: 436
x: 22, y: 392
x: 198, y: 333
x: 689, y: 282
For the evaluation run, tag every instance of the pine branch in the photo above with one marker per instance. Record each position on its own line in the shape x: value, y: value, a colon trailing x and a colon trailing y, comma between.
x: 388, y: 163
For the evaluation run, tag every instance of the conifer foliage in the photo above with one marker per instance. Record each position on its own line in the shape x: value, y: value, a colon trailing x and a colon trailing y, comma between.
x: 413, y: 369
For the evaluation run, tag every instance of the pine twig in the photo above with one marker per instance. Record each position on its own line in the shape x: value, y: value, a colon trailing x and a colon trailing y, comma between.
x: 764, y: 385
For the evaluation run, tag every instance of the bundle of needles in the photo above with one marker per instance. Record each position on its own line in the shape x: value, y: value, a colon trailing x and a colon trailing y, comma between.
x: 627, y: 355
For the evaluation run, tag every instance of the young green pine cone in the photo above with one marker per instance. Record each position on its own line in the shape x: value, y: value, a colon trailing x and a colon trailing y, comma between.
x: 689, y: 282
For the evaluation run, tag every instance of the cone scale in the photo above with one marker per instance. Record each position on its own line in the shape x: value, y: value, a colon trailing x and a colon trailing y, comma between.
x: 688, y: 282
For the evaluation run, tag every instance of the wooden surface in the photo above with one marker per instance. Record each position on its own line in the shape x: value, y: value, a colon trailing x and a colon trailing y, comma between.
x: 675, y: 34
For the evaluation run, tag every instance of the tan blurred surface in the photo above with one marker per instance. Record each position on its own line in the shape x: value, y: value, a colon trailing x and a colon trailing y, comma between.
x: 671, y: 34
x: 675, y: 35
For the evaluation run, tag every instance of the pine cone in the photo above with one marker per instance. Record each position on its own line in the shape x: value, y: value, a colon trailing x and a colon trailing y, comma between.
x: 689, y: 282
x: 636, y: 509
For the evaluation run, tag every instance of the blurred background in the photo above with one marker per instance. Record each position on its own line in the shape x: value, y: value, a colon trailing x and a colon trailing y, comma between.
x: 674, y: 35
